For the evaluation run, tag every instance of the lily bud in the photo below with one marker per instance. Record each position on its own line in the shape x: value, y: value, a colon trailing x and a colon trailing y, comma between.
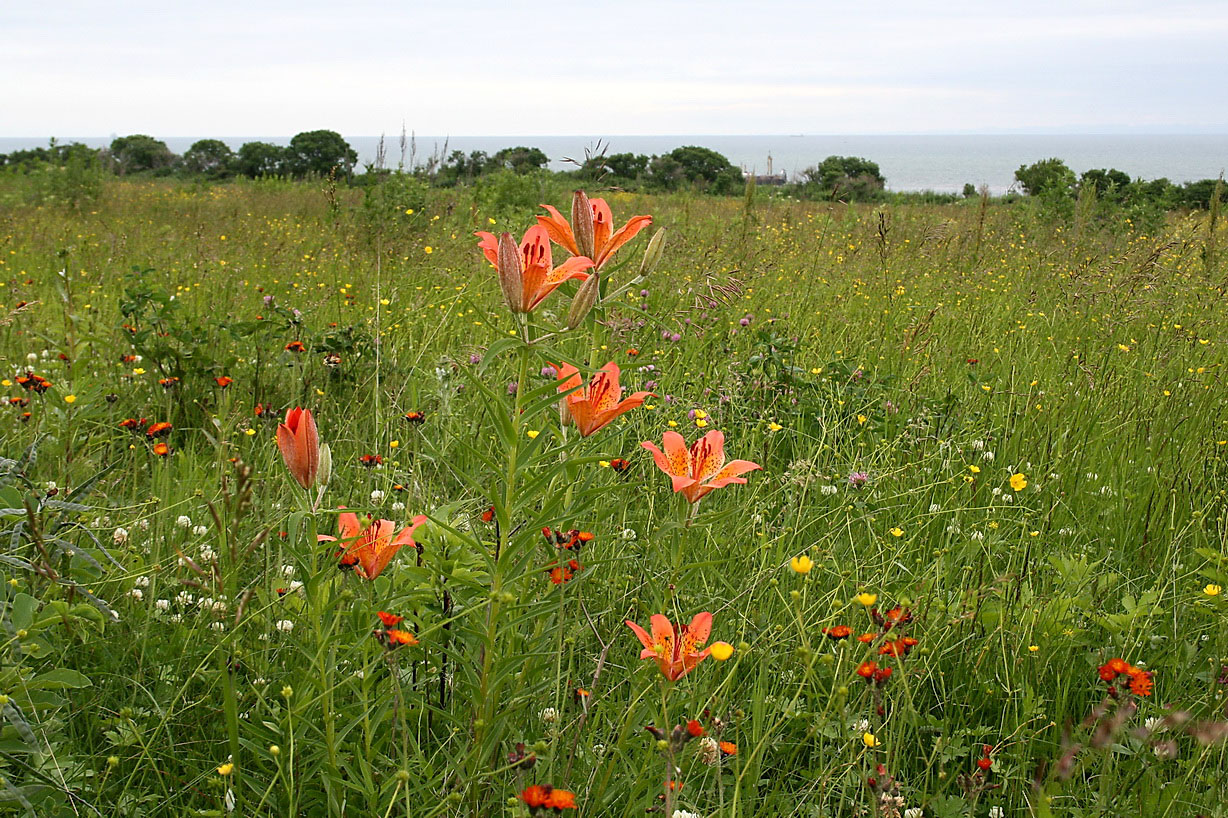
x: 510, y: 272
x: 652, y: 255
x: 585, y: 298
x: 582, y: 223
x: 325, y: 472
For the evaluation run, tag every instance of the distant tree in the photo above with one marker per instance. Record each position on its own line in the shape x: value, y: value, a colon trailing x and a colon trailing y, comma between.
x: 521, y: 159
x: 665, y: 172
x: 1198, y: 195
x: 1111, y: 183
x: 210, y: 157
x: 627, y: 165
x: 140, y: 153
x: 256, y: 159
x: 460, y: 166
x: 1046, y: 177
x: 318, y: 152
x: 969, y: 190
x: 846, y: 177
x: 702, y: 167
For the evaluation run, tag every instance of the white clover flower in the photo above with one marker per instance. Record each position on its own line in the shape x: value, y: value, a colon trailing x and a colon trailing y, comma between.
x: 996, y: 812
x: 184, y: 521
x: 206, y: 553
x: 914, y: 812
x: 977, y: 535
x: 628, y: 534
x: 1152, y: 724
x: 681, y: 813
x: 176, y: 618
x: 827, y: 489
x: 549, y: 715
x: 377, y: 496
x: 287, y: 570
x: 221, y: 626
x: 163, y: 605
x: 285, y: 625
x: 141, y: 582
x: 200, y: 530
x: 861, y: 726
x: 32, y: 357
x: 143, y: 524
x: 987, y: 456
x: 997, y: 491
x: 398, y: 506
x: 137, y: 594
x: 184, y: 598
x: 935, y: 508
x: 119, y: 536
x: 295, y: 586
x: 978, y: 445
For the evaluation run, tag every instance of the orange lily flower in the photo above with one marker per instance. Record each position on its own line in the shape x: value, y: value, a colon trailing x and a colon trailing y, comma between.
x: 675, y: 649
x: 300, y: 445
x: 527, y: 274
x: 598, y: 403
x: 605, y: 240
x: 370, y: 549
x: 700, y: 469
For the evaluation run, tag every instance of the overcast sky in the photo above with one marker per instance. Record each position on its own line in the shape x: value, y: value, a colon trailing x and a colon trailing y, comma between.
x: 271, y: 68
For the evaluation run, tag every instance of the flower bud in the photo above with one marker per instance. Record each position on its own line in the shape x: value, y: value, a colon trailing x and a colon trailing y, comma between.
x: 582, y: 223
x: 511, y: 275
x: 652, y: 255
x: 585, y: 298
x: 325, y: 472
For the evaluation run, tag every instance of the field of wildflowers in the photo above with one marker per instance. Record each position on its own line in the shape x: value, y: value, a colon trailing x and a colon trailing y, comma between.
x: 319, y: 502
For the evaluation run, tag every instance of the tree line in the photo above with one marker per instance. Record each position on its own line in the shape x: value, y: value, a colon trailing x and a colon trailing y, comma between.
x: 322, y: 153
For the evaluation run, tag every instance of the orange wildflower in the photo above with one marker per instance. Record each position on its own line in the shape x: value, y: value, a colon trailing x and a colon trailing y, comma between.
x: 675, y: 649
x: 527, y: 273
x: 838, y: 632
x: 390, y: 620
x: 396, y: 638
x: 161, y: 449
x: 160, y: 429
x: 594, y: 235
x: 596, y: 405
x: 370, y: 549
x: 224, y: 381
x: 728, y: 748
x: 700, y: 469
x: 300, y: 446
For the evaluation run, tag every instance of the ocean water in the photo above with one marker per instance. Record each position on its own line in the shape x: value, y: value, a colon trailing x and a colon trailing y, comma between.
x: 928, y: 162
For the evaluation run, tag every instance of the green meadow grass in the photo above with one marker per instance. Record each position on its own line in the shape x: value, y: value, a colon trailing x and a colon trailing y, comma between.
x: 938, y: 350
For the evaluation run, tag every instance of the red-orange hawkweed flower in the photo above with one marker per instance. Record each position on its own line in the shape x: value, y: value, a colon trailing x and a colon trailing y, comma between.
x: 396, y: 638
x: 527, y: 273
x: 295, y: 346
x: 160, y: 429
x: 701, y: 468
x: 537, y: 798
x: 866, y: 670
x: 161, y: 449
x: 371, y: 549
x: 596, y: 404
x: 728, y: 748
x: 224, y: 381
x: 390, y: 620
x: 838, y: 632
x: 675, y: 649
x: 605, y: 240
x: 299, y: 442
